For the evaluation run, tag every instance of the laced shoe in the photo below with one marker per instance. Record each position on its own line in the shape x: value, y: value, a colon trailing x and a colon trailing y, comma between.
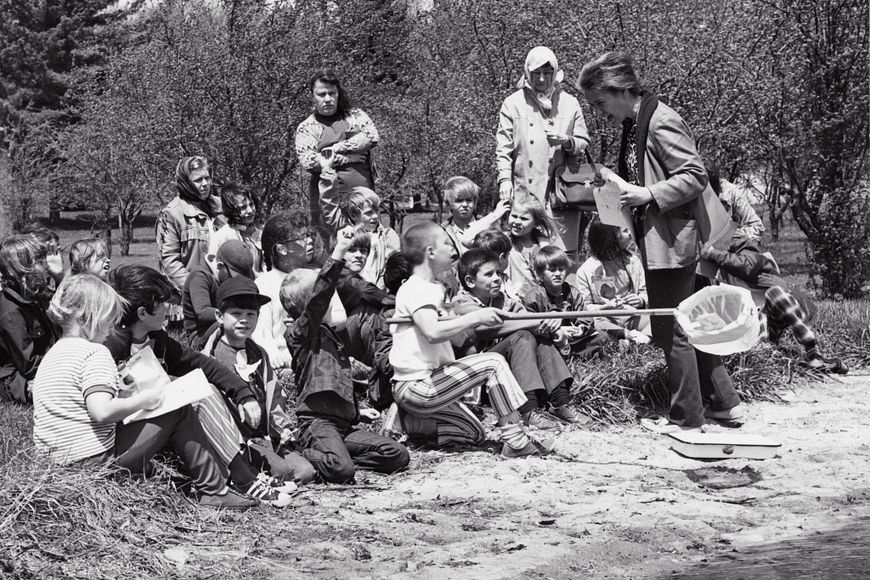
x: 277, y: 484
x: 531, y: 449
x: 542, y: 420
x: 570, y: 415
x: 262, y: 490
x: 735, y: 414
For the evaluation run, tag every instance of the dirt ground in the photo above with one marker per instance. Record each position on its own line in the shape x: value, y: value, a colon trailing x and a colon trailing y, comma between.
x: 628, y: 509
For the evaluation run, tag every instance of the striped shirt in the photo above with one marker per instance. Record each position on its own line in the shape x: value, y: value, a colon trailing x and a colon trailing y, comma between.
x: 72, y: 369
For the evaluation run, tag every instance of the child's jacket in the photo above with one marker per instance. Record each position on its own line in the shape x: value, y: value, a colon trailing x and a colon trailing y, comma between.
x: 321, y: 365
x: 253, y: 367
x: 26, y: 334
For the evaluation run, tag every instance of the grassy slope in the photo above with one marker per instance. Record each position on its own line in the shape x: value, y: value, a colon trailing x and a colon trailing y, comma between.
x: 62, y: 522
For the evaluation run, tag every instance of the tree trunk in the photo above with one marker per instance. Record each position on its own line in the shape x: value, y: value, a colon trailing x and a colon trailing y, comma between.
x: 6, y: 218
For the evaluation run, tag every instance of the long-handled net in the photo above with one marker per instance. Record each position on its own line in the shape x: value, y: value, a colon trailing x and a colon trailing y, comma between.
x: 717, y: 319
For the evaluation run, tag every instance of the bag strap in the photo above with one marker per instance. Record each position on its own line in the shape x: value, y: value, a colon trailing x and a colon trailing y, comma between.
x: 592, y: 163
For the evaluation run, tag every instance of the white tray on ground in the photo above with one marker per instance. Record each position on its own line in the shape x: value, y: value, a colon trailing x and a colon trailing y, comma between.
x: 698, y: 445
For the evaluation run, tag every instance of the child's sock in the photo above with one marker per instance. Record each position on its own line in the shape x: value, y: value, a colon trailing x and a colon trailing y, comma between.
x: 560, y: 396
x: 513, y: 436
x: 530, y: 405
x: 242, y: 472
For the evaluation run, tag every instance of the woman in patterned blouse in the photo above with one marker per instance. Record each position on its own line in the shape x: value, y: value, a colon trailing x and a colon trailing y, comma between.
x: 334, y: 144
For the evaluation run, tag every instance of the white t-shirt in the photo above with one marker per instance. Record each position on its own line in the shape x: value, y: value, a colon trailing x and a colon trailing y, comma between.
x: 412, y: 356
x: 271, y: 326
x: 72, y: 369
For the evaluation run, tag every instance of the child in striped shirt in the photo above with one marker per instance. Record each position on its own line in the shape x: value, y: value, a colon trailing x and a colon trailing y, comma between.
x: 78, y: 407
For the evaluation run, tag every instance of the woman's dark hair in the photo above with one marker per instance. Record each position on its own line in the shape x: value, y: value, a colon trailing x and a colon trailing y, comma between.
x: 604, y: 242
x: 140, y: 286
x: 612, y: 71
x: 327, y: 75
x: 230, y: 193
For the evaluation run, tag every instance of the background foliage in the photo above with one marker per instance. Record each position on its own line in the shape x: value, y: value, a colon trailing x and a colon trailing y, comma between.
x: 97, y: 104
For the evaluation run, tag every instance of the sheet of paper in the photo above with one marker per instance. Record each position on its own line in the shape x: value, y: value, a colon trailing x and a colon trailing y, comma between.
x: 182, y: 391
x: 607, y: 204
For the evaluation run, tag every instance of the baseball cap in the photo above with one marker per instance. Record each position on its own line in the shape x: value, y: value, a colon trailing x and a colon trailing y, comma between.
x: 240, y: 286
x: 238, y: 256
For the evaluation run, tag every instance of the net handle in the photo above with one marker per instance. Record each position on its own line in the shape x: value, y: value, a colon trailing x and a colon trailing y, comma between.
x: 568, y: 314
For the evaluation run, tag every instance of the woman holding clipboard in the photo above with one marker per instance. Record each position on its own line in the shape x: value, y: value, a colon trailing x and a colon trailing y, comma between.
x: 661, y: 177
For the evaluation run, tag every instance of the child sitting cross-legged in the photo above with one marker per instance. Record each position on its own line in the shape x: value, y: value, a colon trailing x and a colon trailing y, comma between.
x: 326, y: 404
x: 147, y: 294
x: 78, y: 407
x: 554, y: 294
x: 527, y: 345
x: 429, y: 383
x: 612, y: 278
x: 271, y: 437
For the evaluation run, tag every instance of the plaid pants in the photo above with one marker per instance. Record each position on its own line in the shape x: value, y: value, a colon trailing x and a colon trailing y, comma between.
x: 439, y: 396
x: 783, y: 312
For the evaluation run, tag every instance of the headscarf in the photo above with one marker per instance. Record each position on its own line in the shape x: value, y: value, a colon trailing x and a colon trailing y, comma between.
x: 188, y: 191
x: 538, y: 57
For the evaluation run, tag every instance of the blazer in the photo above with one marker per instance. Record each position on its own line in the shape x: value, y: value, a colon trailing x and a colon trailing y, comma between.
x: 685, y: 211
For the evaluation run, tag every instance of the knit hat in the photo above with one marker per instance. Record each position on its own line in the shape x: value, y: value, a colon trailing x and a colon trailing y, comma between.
x: 238, y: 256
x: 240, y: 286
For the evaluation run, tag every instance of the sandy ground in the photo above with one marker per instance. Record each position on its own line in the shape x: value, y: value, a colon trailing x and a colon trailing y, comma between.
x: 628, y: 509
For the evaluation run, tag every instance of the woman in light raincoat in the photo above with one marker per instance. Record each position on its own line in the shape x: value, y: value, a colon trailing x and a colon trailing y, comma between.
x: 539, y: 127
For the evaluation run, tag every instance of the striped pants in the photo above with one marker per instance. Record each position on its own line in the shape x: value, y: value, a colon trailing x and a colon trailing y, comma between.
x: 785, y: 312
x: 219, y: 426
x: 440, y: 396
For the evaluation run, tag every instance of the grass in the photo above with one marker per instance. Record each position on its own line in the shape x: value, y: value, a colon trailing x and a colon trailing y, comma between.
x: 62, y: 522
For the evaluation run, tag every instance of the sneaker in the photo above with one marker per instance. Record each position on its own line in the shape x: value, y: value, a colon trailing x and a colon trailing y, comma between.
x: 262, y: 490
x: 391, y: 426
x: 228, y: 500
x: 734, y: 414
x: 570, y: 415
x: 277, y: 484
x: 542, y: 420
x: 532, y: 449
x: 663, y: 426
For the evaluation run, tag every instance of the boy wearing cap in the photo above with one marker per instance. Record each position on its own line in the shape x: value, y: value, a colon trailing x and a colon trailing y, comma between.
x: 263, y: 420
x: 199, y: 299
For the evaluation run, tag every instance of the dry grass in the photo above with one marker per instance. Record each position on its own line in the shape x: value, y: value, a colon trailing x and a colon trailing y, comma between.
x: 62, y: 522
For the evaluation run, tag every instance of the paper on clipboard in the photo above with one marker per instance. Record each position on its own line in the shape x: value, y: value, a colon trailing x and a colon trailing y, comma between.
x: 182, y: 391
x: 607, y: 204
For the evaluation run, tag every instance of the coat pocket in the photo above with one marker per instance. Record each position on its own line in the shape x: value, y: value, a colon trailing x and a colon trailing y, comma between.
x: 685, y: 240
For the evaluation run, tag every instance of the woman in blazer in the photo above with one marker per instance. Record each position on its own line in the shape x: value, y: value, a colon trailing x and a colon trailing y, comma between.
x: 664, y: 181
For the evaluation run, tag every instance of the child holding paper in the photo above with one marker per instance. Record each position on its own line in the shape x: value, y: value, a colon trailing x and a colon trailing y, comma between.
x: 77, y: 410
x: 147, y: 294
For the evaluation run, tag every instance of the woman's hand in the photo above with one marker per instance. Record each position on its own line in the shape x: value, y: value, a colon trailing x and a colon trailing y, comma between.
x: 630, y: 195
x: 556, y: 139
